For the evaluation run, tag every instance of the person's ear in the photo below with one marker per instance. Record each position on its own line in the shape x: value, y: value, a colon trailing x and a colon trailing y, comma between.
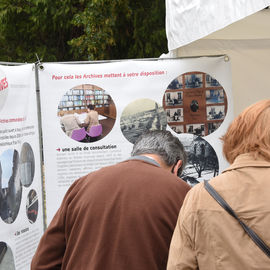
x: 177, y: 167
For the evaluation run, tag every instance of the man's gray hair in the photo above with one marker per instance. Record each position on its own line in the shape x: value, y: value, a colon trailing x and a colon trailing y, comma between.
x: 161, y: 143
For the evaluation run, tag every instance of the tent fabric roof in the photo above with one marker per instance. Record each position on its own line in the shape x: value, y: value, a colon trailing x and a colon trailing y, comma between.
x: 190, y: 20
x: 253, y: 27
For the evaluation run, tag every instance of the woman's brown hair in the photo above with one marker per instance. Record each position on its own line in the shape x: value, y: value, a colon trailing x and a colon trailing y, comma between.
x: 249, y: 133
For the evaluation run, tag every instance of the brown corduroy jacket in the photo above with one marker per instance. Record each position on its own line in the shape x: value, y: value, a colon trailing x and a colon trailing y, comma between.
x: 119, y: 217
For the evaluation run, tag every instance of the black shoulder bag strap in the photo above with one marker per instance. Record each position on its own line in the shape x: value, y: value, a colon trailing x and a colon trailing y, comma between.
x: 258, y: 241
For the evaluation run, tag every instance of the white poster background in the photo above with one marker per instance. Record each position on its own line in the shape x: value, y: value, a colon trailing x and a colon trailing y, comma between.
x: 62, y: 154
x: 21, y: 208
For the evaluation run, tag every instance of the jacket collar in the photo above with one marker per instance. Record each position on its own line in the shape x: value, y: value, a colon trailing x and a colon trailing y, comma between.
x: 247, y: 160
x: 145, y: 159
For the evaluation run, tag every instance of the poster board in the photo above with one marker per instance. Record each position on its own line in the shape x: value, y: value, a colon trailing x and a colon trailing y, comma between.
x: 190, y: 97
x: 21, y: 204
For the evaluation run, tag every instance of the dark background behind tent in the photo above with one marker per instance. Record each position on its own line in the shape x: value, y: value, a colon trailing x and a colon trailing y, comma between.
x: 81, y: 30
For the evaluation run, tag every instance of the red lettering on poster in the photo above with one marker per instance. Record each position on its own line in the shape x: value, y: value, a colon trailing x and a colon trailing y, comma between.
x: 3, y: 84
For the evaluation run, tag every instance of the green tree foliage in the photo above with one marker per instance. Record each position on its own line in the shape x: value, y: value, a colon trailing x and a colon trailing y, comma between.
x: 121, y: 29
x: 40, y: 27
x: 75, y: 30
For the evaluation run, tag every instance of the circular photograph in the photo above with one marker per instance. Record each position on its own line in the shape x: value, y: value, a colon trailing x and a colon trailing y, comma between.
x: 27, y: 165
x: 10, y: 186
x: 3, y: 89
x: 86, y: 113
x: 140, y: 116
x: 202, y: 161
x: 32, y: 206
x: 6, y: 257
x: 195, y: 103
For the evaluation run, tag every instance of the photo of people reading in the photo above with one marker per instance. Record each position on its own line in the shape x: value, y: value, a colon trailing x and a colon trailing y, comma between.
x: 86, y: 113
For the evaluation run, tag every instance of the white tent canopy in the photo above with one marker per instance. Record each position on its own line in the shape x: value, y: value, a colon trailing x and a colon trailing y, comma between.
x: 245, y: 41
x: 189, y: 20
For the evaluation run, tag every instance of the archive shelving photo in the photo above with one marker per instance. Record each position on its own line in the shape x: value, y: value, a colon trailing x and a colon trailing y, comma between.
x: 76, y: 102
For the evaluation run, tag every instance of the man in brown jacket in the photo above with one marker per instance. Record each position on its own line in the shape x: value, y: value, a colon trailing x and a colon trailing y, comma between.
x: 122, y: 216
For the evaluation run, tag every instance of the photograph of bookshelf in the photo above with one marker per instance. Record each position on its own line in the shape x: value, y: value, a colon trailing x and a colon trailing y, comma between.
x: 77, y: 99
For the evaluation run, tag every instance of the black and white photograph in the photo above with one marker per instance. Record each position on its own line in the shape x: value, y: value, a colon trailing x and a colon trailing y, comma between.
x: 202, y: 161
x: 10, y: 186
x: 6, y: 257
x: 196, y: 129
x: 215, y: 112
x: 213, y: 126
x: 214, y: 96
x: 175, y: 115
x: 32, y: 206
x: 195, y: 105
x: 177, y: 83
x: 194, y: 80
x: 27, y: 164
x: 177, y: 128
x: 210, y: 81
x: 142, y: 115
x: 173, y: 98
